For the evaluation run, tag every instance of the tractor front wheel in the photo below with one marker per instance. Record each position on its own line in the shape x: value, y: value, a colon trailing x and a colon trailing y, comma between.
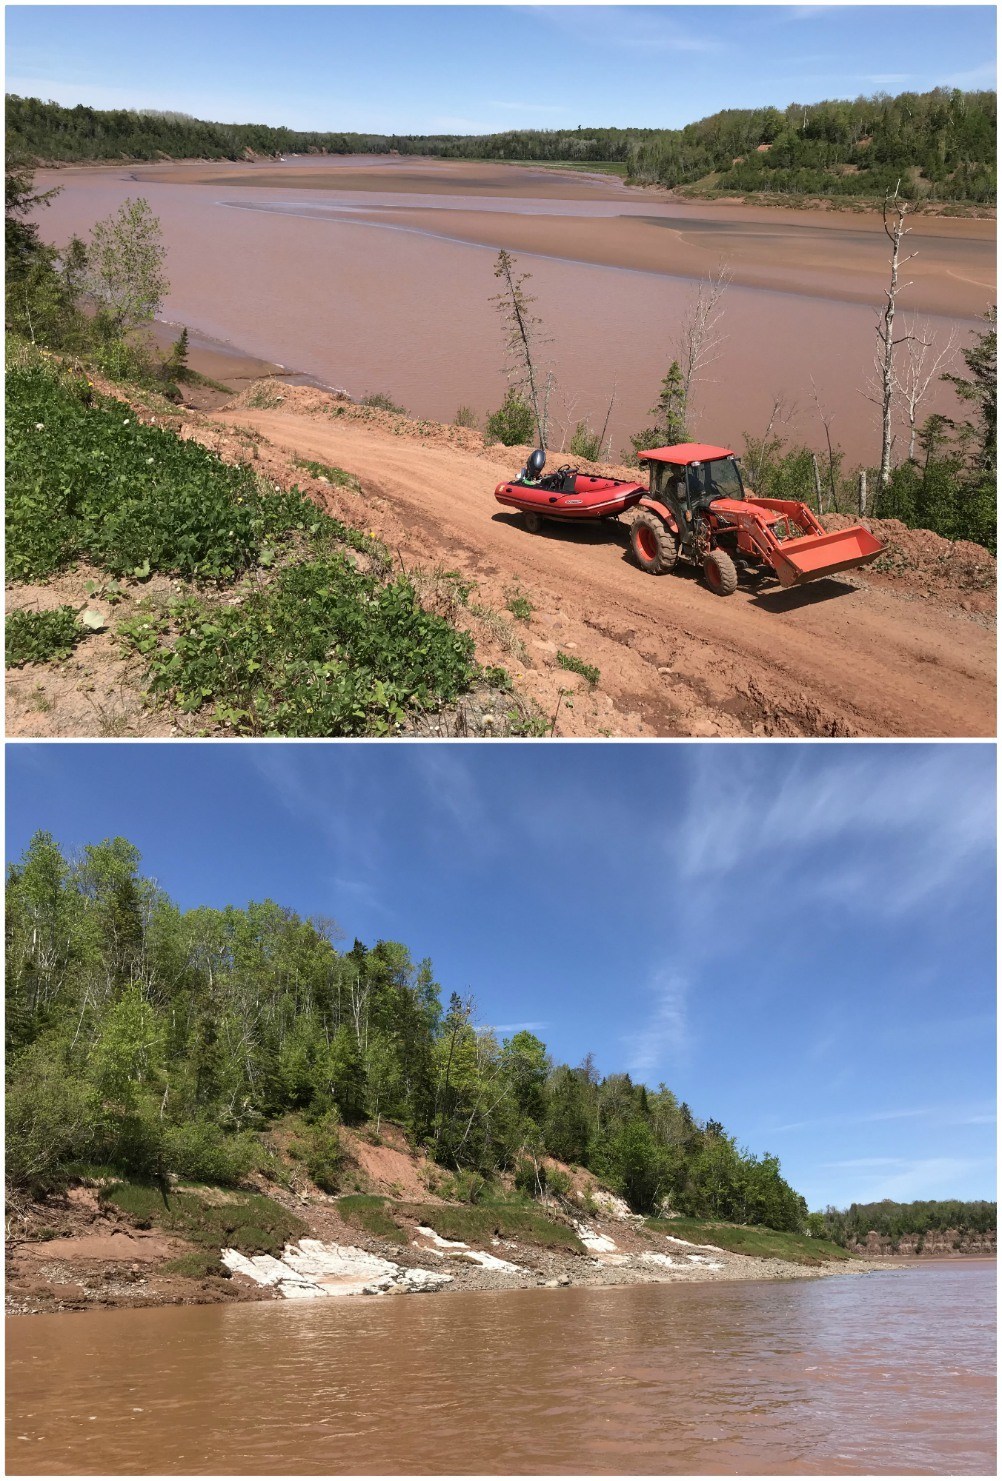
x: 721, y: 573
x: 532, y: 521
x: 654, y: 547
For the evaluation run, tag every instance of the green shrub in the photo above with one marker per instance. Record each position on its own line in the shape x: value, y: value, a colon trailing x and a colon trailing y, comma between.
x: 50, y: 1121
x: 382, y: 402
x: 41, y: 637
x: 323, y: 651
x: 513, y: 423
x: 198, y: 1150
x: 585, y: 443
x: 578, y: 666
x: 323, y: 1154
x: 466, y: 417
x: 537, y: 1179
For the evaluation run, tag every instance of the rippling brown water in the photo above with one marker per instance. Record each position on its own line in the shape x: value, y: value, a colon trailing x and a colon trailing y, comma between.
x: 889, y: 1373
x: 368, y: 288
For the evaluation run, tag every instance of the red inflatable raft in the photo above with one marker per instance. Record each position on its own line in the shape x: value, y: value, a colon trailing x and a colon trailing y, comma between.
x: 568, y: 494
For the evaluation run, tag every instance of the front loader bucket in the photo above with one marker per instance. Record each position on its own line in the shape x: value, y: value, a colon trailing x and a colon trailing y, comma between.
x: 812, y: 556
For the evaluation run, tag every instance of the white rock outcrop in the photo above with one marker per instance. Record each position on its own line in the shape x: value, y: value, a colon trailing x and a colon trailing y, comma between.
x: 311, y: 1269
x: 438, y: 1246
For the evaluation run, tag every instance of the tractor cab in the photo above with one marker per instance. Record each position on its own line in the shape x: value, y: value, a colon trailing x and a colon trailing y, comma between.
x: 689, y: 476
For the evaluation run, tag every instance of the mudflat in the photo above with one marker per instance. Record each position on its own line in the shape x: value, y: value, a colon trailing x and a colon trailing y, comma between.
x: 376, y: 275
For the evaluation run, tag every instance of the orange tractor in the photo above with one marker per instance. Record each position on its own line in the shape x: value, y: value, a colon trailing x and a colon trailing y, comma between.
x: 696, y: 511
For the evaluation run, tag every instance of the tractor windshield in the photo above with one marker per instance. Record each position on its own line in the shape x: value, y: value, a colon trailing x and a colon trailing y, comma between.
x: 717, y: 479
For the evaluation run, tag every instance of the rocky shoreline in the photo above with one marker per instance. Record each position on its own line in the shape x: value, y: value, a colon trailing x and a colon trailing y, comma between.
x: 96, y: 1259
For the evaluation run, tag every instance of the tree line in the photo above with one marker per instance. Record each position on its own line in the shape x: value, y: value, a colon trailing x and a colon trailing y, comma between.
x: 896, y: 1221
x: 151, y: 1040
x: 940, y: 144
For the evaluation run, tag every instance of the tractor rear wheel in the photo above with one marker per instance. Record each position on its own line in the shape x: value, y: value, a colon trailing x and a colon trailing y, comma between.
x: 654, y: 547
x: 721, y: 573
x: 532, y: 521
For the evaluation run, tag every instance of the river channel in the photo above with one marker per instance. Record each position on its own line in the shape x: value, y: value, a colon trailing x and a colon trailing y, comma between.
x: 376, y: 275
x: 887, y: 1373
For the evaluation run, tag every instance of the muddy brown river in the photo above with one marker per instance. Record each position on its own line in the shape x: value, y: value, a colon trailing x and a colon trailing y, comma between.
x: 886, y: 1373
x: 376, y: 275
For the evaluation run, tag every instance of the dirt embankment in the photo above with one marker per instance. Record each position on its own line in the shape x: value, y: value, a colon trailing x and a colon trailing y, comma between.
x: 903, y: 648
x: 78, y: 1251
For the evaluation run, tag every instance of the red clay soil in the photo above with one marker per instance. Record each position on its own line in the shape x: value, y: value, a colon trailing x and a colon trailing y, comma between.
x: 390, y: 1167
x: 907, y: 650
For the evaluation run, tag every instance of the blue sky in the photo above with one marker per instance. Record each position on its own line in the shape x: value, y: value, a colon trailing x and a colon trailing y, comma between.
x: 797, y: 939
x: 462, y: 69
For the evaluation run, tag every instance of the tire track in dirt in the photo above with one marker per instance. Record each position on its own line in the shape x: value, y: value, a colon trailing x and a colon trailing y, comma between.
x: 837, y: 658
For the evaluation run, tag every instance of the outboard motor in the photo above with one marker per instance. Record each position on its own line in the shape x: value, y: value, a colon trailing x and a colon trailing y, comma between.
x: 533, y: 469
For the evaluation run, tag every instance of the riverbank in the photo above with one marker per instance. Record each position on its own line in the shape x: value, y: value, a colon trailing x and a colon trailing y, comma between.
x: 80, y: 1252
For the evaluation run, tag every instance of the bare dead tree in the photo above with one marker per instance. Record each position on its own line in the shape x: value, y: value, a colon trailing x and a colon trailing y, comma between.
x: 833, y: 458
x: 605, y: 424
x: 523, y: 338
x: 922, y: 363
x: 760, y: 451
x: 895, y: 211
x: 700, y: 338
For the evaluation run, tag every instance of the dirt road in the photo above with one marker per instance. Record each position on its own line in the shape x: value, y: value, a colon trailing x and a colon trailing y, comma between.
x: 860, y: 656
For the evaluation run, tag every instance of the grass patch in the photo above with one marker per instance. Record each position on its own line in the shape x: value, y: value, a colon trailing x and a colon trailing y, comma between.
x: 369, y: 1212
x: 41, y: 637
x: 742, y: 1239
x: 333, y: 475
x: 478, y: 1224
x: 196, y: 1265
x: 578, y: 666
x: 249, y: 1222
x: 263, y: 396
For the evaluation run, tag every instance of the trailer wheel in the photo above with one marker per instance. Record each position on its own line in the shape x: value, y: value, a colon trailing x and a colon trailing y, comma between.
x: 654, y: 547
x: 532, y: 521
x: 721, y: 573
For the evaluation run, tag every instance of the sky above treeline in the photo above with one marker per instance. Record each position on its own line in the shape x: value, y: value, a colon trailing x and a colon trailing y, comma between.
x: 484, y: 69
x: 797, y: 939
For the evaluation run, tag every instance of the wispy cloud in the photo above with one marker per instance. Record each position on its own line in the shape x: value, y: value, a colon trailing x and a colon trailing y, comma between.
x: 665, y: 1035
x: 647, y: 29
x: 942, y: 1116
x: 847, y: 829
x: 904, y: 1178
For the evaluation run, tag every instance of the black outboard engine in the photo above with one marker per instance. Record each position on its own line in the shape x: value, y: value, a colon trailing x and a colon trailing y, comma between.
x: 533, y: 470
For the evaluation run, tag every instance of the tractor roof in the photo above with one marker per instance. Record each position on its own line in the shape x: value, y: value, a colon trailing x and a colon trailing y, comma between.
x: 686, y: 452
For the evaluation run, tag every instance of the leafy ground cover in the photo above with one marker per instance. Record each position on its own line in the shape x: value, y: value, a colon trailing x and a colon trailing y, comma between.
x: 41, y: 637
x: 296, y: 627
x: 88, y: 479
x: 324, y: 650
x: 211, y: 1219
x: 742, y: 1239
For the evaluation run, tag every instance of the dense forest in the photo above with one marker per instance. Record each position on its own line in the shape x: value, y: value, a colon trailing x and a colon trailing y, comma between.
x: 897, y: 1220
x: 940, y: 145
x: 151, y: 1040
